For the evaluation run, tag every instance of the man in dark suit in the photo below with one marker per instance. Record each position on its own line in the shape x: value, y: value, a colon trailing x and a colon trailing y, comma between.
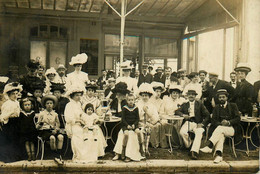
x: 158, y: 75
x: 257, y: 91
x: 145, y: 77
x: 214, y: 86
x: 102, y: 81
x: 244, y: 93
x: 225, y: 122
x: 233, y: 80
x: 196, y: 118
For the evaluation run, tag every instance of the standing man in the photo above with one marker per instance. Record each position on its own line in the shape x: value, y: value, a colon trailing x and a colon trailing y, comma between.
x: 244, y: 93
x: 102, y: 81
x: 214, y: 86
x: 144, y: 77
x: 233, y: 80
x: 183, y: 80
x: 61, y: 78
x: 158, y: 76
x: 196, y: 118
x: 225, y: 121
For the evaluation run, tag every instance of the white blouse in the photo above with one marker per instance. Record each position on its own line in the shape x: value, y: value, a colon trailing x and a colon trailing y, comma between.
x: 79, y: 78
x: 169, y: 105
x: 73, y: 112
x: 9, y: 109
x: 152, y: 114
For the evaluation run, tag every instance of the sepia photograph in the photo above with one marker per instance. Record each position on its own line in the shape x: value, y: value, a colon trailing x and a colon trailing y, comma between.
x: 130, y: 86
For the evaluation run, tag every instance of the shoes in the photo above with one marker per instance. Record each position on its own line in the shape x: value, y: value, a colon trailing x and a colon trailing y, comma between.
x: 30, y: 158
x: 116, y: 157
x: 194, y: 155
x: 127, y: 159
x: 206, y: 150
x: 59, y: 161
x: 218, y: 159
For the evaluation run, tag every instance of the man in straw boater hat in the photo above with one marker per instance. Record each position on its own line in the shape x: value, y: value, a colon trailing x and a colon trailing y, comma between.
x: 77, y: 76
x: 144, y: 77
x: 61, y: 77
x: 196, y: 118
x: 193, y: 85
x: 126, y: 69
x: 225, y: 121
x: 58, y: 90
x: 244, y: 93
x: 215, y: 85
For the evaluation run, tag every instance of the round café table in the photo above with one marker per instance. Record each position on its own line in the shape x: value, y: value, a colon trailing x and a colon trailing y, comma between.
x: 172, y: 120
x: 113, y: 119
x: 247, y: 135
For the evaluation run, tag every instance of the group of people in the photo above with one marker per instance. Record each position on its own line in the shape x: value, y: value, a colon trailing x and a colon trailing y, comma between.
x: 56, y: 105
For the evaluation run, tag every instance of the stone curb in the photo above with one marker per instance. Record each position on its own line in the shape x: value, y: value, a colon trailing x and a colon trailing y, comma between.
x: 149, y: 166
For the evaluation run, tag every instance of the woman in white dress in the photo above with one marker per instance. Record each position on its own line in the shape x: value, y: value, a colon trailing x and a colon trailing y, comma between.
x: 170, y: 105
x: 74, y: 129
x: 77, y: 77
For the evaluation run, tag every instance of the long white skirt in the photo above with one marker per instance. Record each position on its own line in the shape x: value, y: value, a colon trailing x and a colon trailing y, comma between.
x: 132, y: 146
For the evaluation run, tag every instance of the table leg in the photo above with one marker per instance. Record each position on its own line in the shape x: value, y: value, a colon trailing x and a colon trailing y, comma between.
x: 105, y: 126
x: 247, y: 137
x: 113, y: 131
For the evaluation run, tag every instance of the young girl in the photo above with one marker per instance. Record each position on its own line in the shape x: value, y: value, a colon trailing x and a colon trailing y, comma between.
x: 128, y: 145
x: 48, y: 124
x: 93, y: 134
x: 28, y: 132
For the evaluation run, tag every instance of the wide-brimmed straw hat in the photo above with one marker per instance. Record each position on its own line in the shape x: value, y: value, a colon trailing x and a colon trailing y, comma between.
x: 49, y: 97
x: 158, y: 85
x: 127, y: 65
x: 75, y: 89
x: 12, y: 86
x: 146, y: 88
x: 61, y: 66
x: 79, y: 59
x: 174, y: 87
x: 50, y: 71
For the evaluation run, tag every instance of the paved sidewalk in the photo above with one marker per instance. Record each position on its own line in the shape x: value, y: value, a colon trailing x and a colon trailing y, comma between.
x: 148, y: 166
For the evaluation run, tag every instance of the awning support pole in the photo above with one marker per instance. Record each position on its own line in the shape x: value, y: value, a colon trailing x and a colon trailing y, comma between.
x: 122, y: 16
x: 228, y: 12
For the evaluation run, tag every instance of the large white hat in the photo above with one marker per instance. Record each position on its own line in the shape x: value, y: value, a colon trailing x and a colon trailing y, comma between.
x: 243, y: 67
x: 127, y: 65
x: 13, y: 86
x: 61, y: 66
x: 145, y: 88
x: 174, y: 87
x: 74, y: 89
x: 50, y: 71
x: 79, y: 59
x: 158, y: 85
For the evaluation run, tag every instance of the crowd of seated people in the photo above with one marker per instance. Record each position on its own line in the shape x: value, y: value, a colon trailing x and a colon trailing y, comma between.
x: 54, y: 105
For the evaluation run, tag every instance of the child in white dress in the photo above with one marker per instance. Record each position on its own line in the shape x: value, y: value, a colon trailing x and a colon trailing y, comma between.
x: 92, y: 133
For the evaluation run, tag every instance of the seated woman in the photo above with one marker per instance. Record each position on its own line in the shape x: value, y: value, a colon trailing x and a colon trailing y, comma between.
x: 149, y: 117
x: 48, y: 125
x: 73, y: 116
x: 92, y: 133
x: 117, y: 104
x: 90, y: 97
x: 169, y: 106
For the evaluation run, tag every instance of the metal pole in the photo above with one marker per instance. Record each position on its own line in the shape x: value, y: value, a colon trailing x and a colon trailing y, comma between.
x: 122, y: 34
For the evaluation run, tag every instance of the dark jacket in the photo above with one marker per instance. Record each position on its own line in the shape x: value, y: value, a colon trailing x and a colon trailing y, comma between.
x: 60, y: 108
x: 100, y: 82
x: 144, y: 79
x: 244, y: 97
x: 114, y: 106
x: 256, y: 88
x: 211, y: 93
x: 107, y: 91
x: 201, y: 113
x: 233, y: 118
x: 130, y: 116
x: 158, y: 77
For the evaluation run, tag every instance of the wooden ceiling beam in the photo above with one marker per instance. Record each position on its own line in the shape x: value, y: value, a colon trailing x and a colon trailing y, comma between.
x: 154, y: 2
x: 173, y: 8
x: 29, y: 3
x: 54, y: 5
x: 162, y: 8
x: 79, y: 5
